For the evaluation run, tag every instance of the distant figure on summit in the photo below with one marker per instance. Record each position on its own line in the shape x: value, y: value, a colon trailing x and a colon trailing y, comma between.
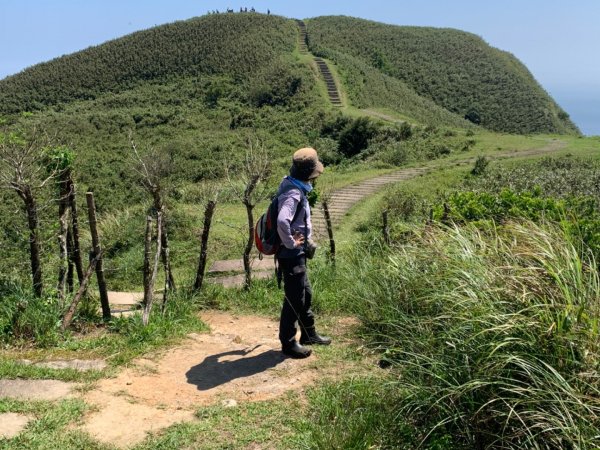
x: 295, y: 230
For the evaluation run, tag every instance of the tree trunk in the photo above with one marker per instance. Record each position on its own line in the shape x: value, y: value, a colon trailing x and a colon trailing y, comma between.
x: 63, y: 211
x: 62, y: 251
x: 147, y: 267
x: 98, y: 251
x: 208, y: 215
x: 34, y: 243
x: 249, y: 212
x: 82, y: 288
x: 70, y: 266
x: 76, y: 257
x: 325, y: 205
x: 249, y: 242
x: 165, y: 253
x: 150, y: 279
x: 165, y: 298
x: 147, y: 252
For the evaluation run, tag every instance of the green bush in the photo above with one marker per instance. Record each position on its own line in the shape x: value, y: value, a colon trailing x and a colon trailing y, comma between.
x: 579, y: 216
x: 491, y: 333
x: 278, y: 84
x: 27, y: 318
x: 480, y: 166
x: 356, y: 136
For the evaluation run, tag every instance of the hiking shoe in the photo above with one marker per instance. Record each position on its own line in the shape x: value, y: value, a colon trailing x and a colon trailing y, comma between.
x: 311, y: 337
x: 296, y: 351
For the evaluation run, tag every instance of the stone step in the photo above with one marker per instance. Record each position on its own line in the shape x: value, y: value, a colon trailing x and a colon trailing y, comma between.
x: 237, y: 265
x: 352, y: 198
x: 125, y: 298
x: 239, y: 280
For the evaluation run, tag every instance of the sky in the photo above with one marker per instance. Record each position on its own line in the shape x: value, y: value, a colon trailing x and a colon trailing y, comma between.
x: 558, y: 41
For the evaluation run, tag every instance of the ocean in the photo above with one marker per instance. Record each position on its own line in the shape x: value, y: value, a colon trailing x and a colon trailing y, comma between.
x: 583, y: 108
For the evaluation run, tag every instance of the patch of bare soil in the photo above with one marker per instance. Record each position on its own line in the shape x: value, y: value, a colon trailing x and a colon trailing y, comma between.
x: 238, y: 361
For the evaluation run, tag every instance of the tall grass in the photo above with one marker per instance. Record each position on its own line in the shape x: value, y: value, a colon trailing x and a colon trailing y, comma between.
x: 492, y: 336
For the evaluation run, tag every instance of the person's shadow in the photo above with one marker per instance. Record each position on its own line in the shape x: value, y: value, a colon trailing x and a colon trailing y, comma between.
x: 211, y: 372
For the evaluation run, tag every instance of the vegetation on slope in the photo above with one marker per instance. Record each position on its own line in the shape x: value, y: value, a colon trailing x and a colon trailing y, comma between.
x: 232, y: 44
x: 369, y: 87
x: 489, y: 327
x: 490, y: 335
x: 456, y: 70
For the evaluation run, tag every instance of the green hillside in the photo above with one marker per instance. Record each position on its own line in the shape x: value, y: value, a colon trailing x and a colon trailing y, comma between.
x: 230, y: 44
x: 199, y: 89
x: 456, y: 70
x: 431, y: 76
x: 370, y: 87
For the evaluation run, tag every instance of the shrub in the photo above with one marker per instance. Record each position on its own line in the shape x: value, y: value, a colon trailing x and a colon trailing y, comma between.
x: 355, y: 136
x: 27, y: 318
x: 473, y: 116
x: 579, y: 216
x: 480, y: 165
x: 491, y: 334
x: 277, y: 85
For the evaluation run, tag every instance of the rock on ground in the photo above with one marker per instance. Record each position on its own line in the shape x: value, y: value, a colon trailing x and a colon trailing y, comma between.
x: 35, y: 389
x: 82, y: 365
x: 11, y: 424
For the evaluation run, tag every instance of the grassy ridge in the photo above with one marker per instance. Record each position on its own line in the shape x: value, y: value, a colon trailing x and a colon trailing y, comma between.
x: 456, y: 70
x: 234, y: 44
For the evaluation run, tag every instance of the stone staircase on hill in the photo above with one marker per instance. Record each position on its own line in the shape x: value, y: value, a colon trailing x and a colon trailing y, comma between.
x: 229, y: 273
x: 303, y: 42
x: 343, y: 199
x: 332, y: 90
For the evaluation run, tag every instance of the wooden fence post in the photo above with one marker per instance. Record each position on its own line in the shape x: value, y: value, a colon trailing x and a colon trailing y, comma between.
x: 82, y: 288
x: 150, y: 277
x: 76, y: 255
x: 208, y: 214
x: 325, y: 205
x: 97, y: 252
x: 63, y: 221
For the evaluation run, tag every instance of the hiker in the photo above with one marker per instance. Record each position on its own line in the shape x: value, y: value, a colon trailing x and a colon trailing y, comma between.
x: 295, y: 230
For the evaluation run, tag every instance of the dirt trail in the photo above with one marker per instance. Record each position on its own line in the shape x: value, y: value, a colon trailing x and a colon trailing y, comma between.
x: 238, y: 360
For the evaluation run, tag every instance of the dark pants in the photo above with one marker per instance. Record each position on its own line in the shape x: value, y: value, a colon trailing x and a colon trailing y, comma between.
x: 297, y: 301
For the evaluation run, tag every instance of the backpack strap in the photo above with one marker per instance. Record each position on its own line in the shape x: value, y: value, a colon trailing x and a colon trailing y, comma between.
x: 296, y: 215
x: 302, y: 197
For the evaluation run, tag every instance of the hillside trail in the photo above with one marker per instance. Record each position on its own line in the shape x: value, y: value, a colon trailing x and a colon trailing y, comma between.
x: 229, y: 273
x: 237, y: 361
